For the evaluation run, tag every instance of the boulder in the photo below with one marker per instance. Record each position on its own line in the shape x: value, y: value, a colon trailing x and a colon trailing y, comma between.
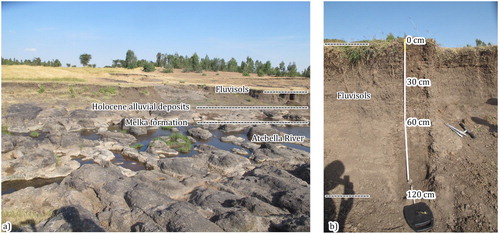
x: 233, y: 127
x: 298, y: 223
x: 294, y: 117
x: 233, y: 139
x: 236, y: 221
x: 200, y: 133
x: 138, y: 131
x: 118, y: 137
x: 159, y: 147
x: 100, y: 154
x: 275, y: 114
x: 183, y: 167
x: 7, y: 143
x: 133, y: 154
x: 279, y: 153
x: 250, y: 145
x: 23, y: 111
x: 261, y: 130
x: 239, y: 151
x: 274, y: 186
x: 72, y: 219
x: 184, y: 217
x: 213, y: 200
x: 83, y: 114
x: 57, y: 112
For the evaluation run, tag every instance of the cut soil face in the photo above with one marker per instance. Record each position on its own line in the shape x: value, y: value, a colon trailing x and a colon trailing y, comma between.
x: 367, y: 137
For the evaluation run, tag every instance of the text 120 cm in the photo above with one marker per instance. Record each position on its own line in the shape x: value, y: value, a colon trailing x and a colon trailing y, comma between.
x: 418, y: 194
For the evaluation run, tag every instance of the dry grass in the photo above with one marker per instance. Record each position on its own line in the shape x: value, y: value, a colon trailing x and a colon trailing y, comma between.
x: 39, y: 72
x: 136, y: 77
x: 19, y: 217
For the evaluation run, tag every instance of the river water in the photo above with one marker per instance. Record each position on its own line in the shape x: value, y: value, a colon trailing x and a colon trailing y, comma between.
x: 12, y: 186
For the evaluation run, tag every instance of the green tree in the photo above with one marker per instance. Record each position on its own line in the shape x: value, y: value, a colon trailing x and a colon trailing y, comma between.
x: 260, y: 73
x: 118, y: 63
x: 222, y: 65
x: 480, y: 43
x: 243, y: 67
x: 56, y: 63
x: 307, y: 72
x: 214, y: 64
x: 85, y: 59
x: 195, y: 62
x: 37, y: 61
x: 158, y: 59
x: 232, y: 65
x: 250, y: 65
x: 205, y: 63
x: 292, y: 69
x: 142, y: 62
x: 130, y: 60
x: 282, y: 66
x: 268, y: 68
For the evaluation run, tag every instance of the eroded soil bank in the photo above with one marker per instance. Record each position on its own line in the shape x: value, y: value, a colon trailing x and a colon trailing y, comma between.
x: 364, y: 139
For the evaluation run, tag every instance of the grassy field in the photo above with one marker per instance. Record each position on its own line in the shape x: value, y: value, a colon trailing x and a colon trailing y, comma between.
x: 136, y: 77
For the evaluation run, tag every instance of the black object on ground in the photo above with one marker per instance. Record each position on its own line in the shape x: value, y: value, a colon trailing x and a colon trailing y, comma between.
x: 419, y: 217
x: 467, y: 131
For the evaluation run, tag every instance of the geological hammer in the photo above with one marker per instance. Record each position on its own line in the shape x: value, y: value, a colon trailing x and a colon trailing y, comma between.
x: 467, y: 131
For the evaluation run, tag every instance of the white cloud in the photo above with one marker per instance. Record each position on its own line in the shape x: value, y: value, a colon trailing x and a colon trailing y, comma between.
x: 30, y: 49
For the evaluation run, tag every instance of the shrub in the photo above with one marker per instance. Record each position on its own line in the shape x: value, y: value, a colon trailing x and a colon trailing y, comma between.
x: 245, y: 73
x: 183, y: 146
x: 260, y: 73
x: 353, y: 54
x: 480, y: 42
x: 136, y: 146
x: 177, y: 141
x: 34, y: 134
x: 108, y: 90
x: 5, y: 130
x: 19, y: 217
x: 149, y: 67
x: 41, y: 89
x: 72, y: 92
x: 168, y: 70
x: 167, y: 127
x: 390, y: 37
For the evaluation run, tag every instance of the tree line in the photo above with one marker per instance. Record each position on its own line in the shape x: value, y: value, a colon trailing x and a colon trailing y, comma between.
x: 193, y: 63
x: 196, y: 64
x: 35, y: 62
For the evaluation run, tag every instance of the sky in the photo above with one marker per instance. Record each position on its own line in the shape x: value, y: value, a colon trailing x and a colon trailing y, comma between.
x: 275, y: 31
x: 452, y: 24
